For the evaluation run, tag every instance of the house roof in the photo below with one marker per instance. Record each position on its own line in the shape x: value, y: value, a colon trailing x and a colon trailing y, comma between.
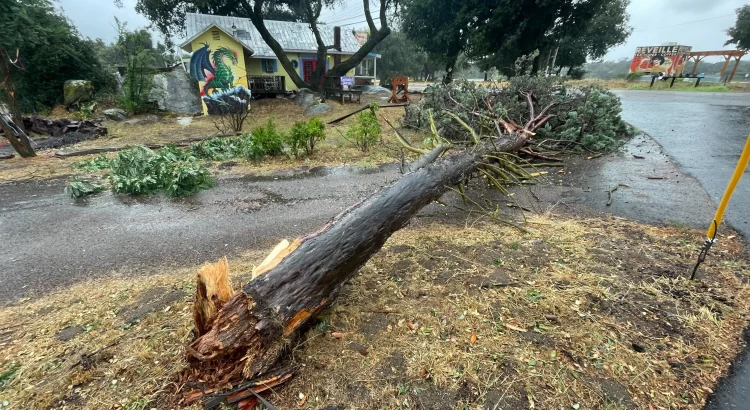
x: 293, y: 36
x: 188, y: 46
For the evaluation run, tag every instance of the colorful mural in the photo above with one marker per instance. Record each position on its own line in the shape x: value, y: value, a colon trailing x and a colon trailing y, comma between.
x: 214, y: 73
x: 669, y: 60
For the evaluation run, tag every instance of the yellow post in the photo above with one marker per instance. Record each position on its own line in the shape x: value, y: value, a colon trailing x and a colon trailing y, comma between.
x: 741, y: 165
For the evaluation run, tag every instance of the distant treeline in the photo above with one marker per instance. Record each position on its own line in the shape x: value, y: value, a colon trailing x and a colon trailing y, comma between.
x: 608, y: 70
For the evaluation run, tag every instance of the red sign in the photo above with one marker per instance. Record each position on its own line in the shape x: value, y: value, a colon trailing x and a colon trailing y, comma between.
x: 669, y: 60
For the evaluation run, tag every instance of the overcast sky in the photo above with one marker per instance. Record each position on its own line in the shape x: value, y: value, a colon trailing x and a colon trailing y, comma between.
x: 698, y: 23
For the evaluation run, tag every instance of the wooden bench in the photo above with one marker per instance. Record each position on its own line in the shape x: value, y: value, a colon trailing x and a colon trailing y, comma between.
x: 334, y: 88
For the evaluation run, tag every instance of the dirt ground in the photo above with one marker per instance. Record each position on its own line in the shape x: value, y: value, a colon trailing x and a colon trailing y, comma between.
x: 579, y: 313
x: 165, y: 129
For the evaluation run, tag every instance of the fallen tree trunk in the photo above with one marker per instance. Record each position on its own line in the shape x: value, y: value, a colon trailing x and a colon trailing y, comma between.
x: 251, y: 329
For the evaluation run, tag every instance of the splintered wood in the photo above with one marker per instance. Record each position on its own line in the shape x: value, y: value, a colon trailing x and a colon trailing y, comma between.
x: 281, y: 251
x: 213, y: 289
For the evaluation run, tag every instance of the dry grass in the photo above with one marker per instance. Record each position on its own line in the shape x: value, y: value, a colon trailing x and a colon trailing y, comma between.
x: 335, y: 150
x: 679, y: 85
x: 590, y: 294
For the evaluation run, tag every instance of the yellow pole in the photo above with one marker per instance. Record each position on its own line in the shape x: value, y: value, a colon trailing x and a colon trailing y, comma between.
x: 741, y: 165
x: 711, y: 234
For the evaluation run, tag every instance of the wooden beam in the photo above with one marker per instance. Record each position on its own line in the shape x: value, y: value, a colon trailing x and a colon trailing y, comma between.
x: 724, y: 67
x: 734, y: 70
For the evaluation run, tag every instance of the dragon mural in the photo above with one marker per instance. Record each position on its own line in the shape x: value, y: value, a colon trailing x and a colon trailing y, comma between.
x: 218, y: 90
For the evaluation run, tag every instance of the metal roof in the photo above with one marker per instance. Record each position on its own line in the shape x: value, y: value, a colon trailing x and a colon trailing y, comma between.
x: 293, y: 36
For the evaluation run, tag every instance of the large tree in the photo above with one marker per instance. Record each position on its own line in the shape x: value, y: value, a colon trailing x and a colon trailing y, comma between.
x: 739, y: 35
x: 169, y: 17
x: 495, y: 33
x: 606, y: 29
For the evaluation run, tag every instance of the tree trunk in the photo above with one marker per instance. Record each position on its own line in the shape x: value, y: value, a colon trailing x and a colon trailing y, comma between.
x: 299, y: 280
x: 12, y: 121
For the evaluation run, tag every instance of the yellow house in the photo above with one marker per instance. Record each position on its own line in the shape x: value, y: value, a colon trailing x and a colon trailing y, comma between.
x: 231, y: 61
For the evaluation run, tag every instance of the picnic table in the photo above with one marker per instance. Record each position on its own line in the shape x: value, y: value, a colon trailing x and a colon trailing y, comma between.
x: 342, y: 87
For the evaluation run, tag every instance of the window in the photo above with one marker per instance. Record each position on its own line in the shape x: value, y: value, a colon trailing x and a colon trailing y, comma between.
x: 268, y: 65
x: 215, y: 35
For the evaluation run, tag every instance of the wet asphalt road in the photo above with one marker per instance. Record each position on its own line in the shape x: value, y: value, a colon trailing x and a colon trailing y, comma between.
x: 51, y: 241
x: 704, y: 133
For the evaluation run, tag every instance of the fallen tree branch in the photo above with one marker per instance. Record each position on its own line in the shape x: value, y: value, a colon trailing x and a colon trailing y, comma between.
x: 337, y: 120
x: 179, y: 143
x: 529, y: 152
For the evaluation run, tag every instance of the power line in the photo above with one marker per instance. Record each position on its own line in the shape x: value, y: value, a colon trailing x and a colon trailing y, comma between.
x: 682, y: 24
x: 354, y: 17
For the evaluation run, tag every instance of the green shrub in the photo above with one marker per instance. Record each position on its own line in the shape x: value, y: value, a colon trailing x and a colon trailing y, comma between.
x: 215, y: 149
x: 305, y: 135
x: 134, y: 171
x: 78, y: 188
x: 266, y: 140
x: 365, y: 132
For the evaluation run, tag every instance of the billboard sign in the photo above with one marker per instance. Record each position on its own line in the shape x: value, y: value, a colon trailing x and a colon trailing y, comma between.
x: 669, y: 60
x: 361, y: 36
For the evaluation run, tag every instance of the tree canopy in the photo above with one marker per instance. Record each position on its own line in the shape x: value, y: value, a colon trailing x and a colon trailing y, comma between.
x: 495, y: 33
x: 50, y: 48
x: 739, y: 35
x: 399, y: 57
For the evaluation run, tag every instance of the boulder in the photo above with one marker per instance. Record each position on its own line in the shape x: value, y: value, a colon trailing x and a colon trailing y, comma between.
x: 318, y: 109
x: 115, y: 114
x: 176, y: 92
x: 304, y: 98
x: 77, y: 92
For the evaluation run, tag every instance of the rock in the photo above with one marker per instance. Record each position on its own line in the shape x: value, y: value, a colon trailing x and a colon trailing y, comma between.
x: 176, y: 92
x: 77, y: 92
x: 318, y: 109
x: 115, y: 114
x: 304, y: 98
x: 374, y: 89
x: 142, y: 120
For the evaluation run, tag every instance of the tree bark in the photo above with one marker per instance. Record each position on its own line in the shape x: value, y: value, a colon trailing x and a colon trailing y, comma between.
x: 13, y: 126
x: 253, y: 327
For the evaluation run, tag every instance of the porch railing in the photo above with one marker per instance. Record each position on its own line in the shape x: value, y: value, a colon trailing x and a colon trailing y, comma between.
x: 266, y: 84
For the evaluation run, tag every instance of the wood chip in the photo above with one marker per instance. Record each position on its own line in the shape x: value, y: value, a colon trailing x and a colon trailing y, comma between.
x: 473, y: 338
x: 517, y: 328
x: 657, y: 177
x: 338, y: 335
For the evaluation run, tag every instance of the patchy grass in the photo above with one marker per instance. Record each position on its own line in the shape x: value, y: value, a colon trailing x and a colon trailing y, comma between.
x: 580, y: 313
x: 679, y: 85
x: 335, y: 150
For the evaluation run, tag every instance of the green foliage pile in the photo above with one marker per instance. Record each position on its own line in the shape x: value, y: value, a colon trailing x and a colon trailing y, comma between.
x: 78, y: 188
x: 177, y: 172
x: 365, y: 132
x: 588, y: 117
x: 593, y: 121
x: 305, y: 135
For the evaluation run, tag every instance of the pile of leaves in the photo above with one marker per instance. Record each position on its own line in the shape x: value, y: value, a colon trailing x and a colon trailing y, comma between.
x: 586, y: 118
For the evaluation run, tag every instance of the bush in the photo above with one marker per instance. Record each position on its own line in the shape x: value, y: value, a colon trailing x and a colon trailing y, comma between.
x: 265, y: 140
x: 215, y: 149
x: 305, y: 135
x: 95, y: 164
x: 366, y: 131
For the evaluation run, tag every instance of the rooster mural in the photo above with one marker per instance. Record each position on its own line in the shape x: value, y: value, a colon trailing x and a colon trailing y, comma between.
x: 213, y: 70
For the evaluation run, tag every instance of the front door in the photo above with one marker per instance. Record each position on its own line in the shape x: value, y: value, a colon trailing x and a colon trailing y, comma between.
x: 308, y: 67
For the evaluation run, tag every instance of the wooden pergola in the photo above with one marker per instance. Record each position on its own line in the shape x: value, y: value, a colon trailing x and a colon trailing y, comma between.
x: 697, y: 56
